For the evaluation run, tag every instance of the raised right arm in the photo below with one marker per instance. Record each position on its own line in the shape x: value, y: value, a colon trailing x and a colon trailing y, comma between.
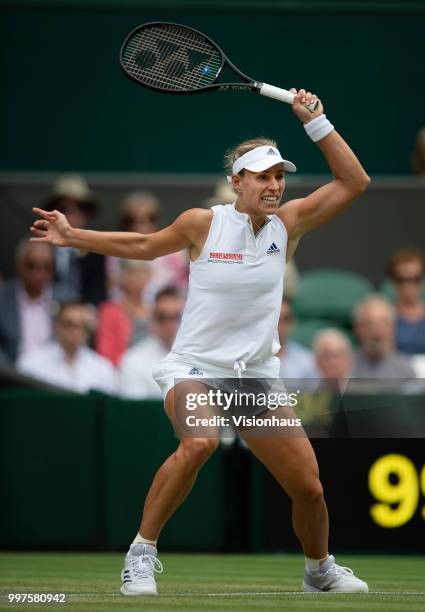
x: 186, y: 232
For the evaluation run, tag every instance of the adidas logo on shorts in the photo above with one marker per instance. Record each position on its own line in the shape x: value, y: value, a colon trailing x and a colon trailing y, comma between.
x: 273, y: 249
x: 195, y: 372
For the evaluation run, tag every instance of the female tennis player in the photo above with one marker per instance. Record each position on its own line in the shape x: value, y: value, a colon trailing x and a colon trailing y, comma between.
x: 238, y: 254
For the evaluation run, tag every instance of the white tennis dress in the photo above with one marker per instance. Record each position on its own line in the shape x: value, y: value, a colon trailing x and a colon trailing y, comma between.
x: 232, y: 310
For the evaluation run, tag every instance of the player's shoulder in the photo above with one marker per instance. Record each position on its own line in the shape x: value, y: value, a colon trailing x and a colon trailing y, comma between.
x: 289, y: 208
x: 197, y: 213
x: 289, y: 212
x: 196, y: 218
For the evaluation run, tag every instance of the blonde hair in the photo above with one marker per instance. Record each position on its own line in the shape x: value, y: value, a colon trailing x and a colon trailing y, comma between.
x: 247, y: 145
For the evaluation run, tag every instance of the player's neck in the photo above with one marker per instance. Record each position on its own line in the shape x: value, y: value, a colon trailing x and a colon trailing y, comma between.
x: 258, y: 219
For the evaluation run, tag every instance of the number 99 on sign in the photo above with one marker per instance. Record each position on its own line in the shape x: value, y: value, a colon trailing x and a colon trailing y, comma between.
x: 394, y: 482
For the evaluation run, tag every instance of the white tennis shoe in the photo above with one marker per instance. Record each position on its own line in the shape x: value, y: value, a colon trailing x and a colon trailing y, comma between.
x: 140, y: 566
x: 333, y: 578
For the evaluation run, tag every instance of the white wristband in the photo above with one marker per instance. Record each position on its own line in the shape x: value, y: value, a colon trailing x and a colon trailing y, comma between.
x: 318, y: 128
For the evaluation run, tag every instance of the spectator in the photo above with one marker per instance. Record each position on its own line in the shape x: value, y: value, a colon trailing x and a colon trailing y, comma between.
x: 418, y: 154
x: 141, y: 213
x: 125, y: 322
x: 68, y: 362
x: 137, y: 364
x: 406, y: 269
x: 376, y: 358
x: 79, y: 275
x: 26, y: 303
x: 295, y: 360
x: 334, y: 358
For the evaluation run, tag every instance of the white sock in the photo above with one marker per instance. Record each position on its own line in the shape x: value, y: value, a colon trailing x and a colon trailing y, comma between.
x: 312, y: 565
x: 139, y: 539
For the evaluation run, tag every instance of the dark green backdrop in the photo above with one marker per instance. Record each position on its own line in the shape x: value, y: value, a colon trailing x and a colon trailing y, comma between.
x: 66, y: 105
x: 74, y: 472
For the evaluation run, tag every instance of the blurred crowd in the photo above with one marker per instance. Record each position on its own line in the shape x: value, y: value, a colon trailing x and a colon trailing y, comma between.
x: 82, y: 321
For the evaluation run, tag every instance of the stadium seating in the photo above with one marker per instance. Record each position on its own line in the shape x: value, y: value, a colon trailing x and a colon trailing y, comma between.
x: 330, y: 295
x: 305, y: 330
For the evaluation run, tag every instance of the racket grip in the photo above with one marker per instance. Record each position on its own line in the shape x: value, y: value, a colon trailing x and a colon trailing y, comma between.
x: 283, y: 95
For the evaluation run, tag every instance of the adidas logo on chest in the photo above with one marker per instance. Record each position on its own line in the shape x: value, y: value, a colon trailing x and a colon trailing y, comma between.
x: 273, y: 249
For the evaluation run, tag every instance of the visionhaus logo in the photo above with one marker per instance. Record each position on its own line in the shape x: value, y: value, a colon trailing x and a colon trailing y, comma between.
x: 273, y: 249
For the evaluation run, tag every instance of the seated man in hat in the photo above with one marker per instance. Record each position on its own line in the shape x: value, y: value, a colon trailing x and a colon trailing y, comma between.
x: 79, y: 275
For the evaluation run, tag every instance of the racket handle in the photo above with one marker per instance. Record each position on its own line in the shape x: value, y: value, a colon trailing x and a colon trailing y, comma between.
x: 283, y: 95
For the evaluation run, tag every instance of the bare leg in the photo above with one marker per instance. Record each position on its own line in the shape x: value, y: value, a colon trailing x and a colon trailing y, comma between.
x: 175, y: 478
x: 293, y: 463
x: 173, y: 483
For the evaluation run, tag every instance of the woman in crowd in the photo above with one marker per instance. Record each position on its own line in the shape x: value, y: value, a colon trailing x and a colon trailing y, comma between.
x: 406, y: 269
x: 123, y: 322
x: 140, y: 212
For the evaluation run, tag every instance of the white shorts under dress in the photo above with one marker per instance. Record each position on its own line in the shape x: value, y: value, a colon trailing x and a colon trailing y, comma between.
x: 175, y: 366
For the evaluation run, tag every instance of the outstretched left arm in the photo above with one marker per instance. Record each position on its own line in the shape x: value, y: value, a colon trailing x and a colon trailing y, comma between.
x: 350, y: 180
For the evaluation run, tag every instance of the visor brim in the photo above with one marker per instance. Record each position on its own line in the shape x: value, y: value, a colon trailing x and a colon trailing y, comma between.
x: 265, y: 164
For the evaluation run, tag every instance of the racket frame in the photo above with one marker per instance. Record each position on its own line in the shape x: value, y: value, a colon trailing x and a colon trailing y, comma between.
x: 249, y: 85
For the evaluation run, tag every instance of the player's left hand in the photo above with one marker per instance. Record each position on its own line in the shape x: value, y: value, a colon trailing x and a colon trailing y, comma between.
x: 303, y: 99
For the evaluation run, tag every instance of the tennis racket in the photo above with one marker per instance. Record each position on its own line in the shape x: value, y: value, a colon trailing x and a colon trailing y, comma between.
x: 174, y: 59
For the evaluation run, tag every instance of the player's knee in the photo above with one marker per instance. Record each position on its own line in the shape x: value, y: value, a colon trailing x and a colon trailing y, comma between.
x: 197, y: 450
x: 311, y: 493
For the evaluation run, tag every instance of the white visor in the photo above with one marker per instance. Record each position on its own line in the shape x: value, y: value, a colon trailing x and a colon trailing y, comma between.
x: 259, y: 159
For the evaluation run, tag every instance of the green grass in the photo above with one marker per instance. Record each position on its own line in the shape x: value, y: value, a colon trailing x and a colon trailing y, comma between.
x: 213, y: 582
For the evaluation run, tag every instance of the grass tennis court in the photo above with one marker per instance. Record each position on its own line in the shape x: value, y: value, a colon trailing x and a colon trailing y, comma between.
x: 213, y: 582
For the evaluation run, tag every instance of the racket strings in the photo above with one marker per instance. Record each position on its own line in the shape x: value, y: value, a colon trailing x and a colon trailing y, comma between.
x: 174, y: 73
x: 174, y: 59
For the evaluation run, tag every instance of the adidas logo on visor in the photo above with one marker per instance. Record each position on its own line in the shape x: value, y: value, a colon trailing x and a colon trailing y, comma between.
x: 271, y: 152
